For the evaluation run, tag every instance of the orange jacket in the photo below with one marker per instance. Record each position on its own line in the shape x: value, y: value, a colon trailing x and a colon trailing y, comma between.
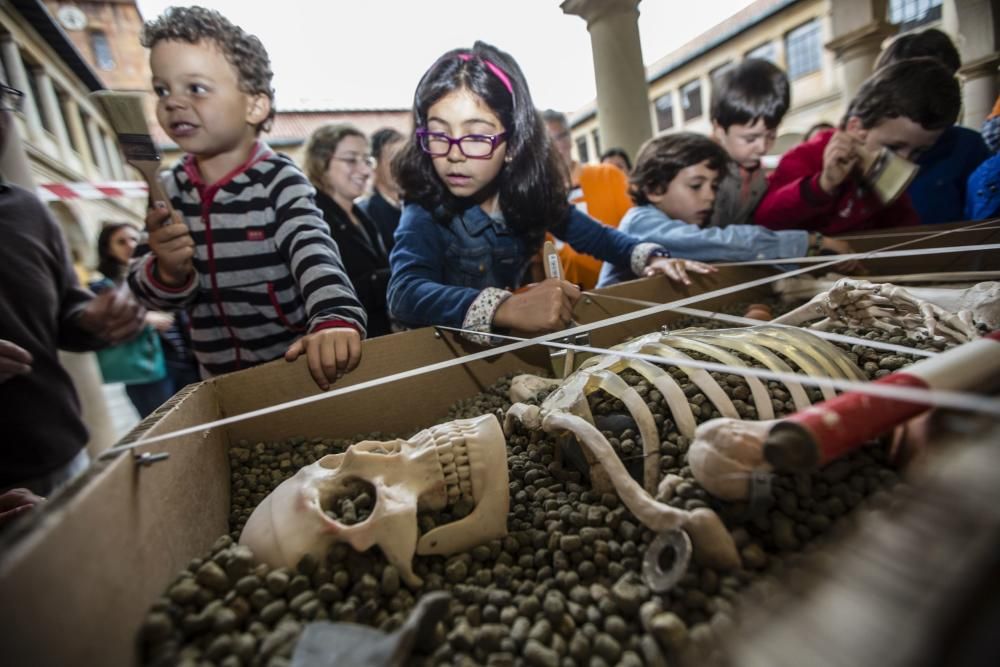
x: 601, y: 191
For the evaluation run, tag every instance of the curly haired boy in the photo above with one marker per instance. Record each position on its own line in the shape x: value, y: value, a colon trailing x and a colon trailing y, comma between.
x: 253, y: 261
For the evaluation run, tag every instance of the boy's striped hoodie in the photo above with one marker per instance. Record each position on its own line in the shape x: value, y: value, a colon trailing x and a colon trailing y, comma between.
x: 266, y: 269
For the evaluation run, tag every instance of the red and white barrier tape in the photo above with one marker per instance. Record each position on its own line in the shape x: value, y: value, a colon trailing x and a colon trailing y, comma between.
x: 106, y: 190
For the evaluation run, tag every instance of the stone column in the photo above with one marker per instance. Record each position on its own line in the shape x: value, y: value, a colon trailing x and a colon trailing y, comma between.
x: 622, y: 93
x: 49, y: 103
x: 859, y: 28
x: 18, y: 78
x: 979, y: 90
x: 71, y: 112
x: 100, y: 150
x: 114, y: 158
x: 979, y: 43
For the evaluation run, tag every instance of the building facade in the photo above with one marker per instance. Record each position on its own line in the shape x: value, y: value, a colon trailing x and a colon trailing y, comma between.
x: 827, y: 48
x: 66, y: 138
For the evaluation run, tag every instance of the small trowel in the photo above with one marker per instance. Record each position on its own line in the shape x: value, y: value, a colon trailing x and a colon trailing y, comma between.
x: 887, y: 174
x: 326, y: 644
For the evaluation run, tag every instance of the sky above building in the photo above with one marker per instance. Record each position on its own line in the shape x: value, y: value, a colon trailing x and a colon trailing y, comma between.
x: 371, y: 53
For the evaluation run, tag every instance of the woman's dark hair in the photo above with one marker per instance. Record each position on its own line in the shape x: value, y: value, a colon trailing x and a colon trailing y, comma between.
x: 617, y: 152
x: 930, y: 43
x: 752, y: 89
x: 107, y: 263
x: 921, y: 89
x: 532, y: 186
x: 661, y: 158
x: 381, y: 138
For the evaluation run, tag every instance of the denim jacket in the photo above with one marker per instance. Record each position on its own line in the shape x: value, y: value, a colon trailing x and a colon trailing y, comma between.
x: 440, y: 270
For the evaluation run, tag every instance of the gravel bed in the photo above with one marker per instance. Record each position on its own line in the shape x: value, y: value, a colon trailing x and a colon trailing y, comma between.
x: 563, y: 588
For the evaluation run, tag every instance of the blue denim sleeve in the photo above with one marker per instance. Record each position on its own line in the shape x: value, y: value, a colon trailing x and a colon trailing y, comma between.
x: 735, y: 243
x: 589, y: 236
x: 417, y: 294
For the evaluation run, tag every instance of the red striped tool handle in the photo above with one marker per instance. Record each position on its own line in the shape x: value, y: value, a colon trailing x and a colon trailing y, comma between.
x: 817, y: 435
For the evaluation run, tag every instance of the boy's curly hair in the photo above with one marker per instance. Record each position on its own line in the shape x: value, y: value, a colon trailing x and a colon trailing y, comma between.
x: 245, y: 52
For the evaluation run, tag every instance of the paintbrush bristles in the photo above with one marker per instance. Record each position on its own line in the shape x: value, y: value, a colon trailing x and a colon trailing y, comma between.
x: 124, y: 110
x: 125, y: 113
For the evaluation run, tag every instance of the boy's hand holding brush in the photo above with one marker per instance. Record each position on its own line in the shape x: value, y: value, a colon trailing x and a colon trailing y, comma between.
x: 172, y: 244
x: 169, y: 238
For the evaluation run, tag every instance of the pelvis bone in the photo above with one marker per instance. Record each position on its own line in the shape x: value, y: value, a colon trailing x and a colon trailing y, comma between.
x: 464, y: 459
x: 950, y: 313
x: 567, y: 409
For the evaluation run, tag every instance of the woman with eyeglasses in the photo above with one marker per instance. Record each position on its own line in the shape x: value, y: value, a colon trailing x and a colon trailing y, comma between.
x: 482, y: 185
x: 339, y: 165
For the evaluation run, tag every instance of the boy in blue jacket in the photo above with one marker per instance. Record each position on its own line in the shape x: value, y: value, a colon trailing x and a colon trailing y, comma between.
x: 674, y: 187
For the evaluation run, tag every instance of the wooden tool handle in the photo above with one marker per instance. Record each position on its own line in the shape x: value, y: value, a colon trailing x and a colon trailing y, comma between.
x: 550, y: 258
x: 150, y: 173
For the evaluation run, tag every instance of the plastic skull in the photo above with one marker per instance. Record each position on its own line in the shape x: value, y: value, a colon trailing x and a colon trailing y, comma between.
x: 437, y: 467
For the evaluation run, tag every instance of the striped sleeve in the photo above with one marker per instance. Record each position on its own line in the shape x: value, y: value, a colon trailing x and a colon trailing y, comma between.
x: 303, y: 240
x: 152, y: 293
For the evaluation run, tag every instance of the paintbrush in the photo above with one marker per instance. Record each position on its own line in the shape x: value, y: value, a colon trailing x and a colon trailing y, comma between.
x: 124, y: 110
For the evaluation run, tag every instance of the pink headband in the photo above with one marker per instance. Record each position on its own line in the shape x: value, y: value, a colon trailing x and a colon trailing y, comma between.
x: 497, y: 72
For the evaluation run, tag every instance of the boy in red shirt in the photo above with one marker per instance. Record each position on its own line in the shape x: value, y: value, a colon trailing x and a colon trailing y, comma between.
x: 904, y: 107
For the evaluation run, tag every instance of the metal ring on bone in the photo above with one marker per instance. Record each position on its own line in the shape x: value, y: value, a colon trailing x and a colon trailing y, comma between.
x: 658, y: 579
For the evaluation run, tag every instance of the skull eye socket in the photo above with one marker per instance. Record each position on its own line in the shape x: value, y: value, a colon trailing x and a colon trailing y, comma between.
x: 351, y: 502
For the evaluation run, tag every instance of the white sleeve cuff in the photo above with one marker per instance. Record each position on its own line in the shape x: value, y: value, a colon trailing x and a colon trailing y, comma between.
x: 479, y: 317
x: 640, y: 256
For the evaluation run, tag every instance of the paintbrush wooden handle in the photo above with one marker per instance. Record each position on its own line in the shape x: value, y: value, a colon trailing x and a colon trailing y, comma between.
x: 150, y: 171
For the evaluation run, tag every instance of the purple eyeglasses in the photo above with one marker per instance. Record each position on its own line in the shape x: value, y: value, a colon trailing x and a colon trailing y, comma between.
x: 473, y: 146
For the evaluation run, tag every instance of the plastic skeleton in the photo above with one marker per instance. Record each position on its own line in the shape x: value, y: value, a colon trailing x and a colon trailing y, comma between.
x: 462, y: 459
x: 566, y: 409
x: 812, y: 438
x: 950, y: 313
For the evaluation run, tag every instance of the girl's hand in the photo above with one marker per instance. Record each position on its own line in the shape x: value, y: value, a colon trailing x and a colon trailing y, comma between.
x: 676, y: 269
x: 173, y: 246
x: 541, y: 308
x: 331, y: 353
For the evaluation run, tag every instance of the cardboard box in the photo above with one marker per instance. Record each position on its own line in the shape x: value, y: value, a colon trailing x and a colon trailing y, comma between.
x: 76, y: 582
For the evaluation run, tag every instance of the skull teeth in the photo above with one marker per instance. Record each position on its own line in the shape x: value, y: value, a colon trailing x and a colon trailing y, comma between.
x: 453, y: 456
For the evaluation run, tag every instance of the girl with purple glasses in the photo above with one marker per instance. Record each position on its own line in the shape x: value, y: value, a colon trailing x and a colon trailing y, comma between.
x: 482, y: 186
